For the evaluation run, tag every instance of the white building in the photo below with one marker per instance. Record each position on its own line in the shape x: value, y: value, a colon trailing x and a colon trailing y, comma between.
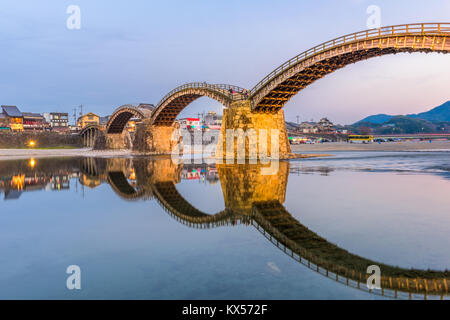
x: 213, y: 121
x: 309, y: 127
x: 190, y: 123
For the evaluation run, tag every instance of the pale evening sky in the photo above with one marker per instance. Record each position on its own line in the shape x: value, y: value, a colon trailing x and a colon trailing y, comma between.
x: 137, y: 51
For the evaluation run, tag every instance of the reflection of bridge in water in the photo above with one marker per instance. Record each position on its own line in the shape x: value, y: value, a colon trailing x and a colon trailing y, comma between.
x: 254, y: 199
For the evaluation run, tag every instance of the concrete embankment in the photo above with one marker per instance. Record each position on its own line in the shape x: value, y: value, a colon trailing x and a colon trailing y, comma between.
x: 41, y: 140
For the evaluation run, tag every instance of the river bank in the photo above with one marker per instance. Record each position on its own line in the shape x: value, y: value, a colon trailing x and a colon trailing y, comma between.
x: 386, y: 146
x: 12, y: 154
x: 12, y: 140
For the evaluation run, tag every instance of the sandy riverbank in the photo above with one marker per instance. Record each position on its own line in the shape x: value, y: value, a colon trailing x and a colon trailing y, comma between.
x: 9, y: 154
x: 12, y: 154
x: 386, y: 146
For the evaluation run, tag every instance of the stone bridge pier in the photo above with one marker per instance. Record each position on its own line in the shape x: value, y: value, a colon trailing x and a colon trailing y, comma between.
x: 118, y: 140
x: 156, y: 139
x: 244, y: 135
x: 250, y: 135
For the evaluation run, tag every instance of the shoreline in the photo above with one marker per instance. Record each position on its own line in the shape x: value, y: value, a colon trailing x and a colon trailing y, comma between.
x: 20, y: 154
x: 17, y: 154
x: 299, y: 151
x: 382, y: 147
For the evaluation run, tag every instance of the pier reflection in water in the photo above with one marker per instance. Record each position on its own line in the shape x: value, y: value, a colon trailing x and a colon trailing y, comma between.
x: 249, y: 199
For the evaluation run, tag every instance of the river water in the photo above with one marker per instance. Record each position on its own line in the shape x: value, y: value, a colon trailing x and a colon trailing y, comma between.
x: 154, y: 229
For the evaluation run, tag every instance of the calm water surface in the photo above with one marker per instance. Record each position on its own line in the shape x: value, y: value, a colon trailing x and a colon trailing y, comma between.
x: 142, y: 229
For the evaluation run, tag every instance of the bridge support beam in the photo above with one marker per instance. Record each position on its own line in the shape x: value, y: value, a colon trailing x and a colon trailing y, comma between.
x: 260, y: 131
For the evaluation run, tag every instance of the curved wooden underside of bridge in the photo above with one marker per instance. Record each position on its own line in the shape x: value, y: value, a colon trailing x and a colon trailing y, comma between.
x: 176, y: 100
x: 277, y: 88
x: 86, y: 129
x: 123, y: 114
x: 89, y: 133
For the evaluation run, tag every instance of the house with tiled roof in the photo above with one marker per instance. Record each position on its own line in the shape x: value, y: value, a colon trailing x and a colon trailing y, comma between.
x: 14, y: 116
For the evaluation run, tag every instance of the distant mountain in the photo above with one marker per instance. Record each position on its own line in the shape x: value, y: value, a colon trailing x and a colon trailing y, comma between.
x: 401, y: 125
x: 377, y: 119
x: 292, y: 125
x: 438, y: 114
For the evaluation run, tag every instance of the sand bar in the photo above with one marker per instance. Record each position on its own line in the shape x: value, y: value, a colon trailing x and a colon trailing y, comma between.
x: 385, y: 146
x: 10, y: 154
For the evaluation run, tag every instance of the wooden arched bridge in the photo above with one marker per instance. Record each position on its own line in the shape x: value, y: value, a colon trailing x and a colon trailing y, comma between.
x: 179, y: 98
x: 274, y: 90
x: 123, y: 114
x: 261, y: 107
x: 89, y: 135
x: 173, y: 103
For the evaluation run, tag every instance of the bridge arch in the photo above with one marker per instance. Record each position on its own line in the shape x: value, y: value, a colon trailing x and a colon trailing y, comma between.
x: 279, y: 86
x: 123, y: 114
x: 89, y: 134
x: 179, y: 98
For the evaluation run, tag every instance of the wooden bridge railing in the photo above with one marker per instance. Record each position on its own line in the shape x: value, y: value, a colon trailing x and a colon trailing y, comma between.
x: 398, y: 30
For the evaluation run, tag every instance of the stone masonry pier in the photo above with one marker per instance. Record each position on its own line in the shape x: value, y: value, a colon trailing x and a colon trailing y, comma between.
x: 244, y: 135
x: 251, y: 135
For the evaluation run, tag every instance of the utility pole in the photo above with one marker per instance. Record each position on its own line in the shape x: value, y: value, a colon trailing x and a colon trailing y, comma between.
x: 298, y: 119
x: 75, y: 116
